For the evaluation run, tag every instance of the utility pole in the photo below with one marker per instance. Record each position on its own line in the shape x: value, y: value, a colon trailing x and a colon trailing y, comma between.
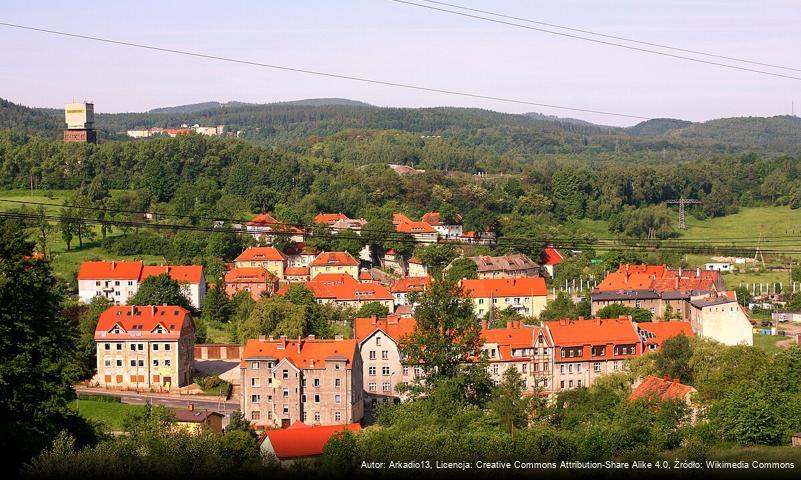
x: 682, y: 202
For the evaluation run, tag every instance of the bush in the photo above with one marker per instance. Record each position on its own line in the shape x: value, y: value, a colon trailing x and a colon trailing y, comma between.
x: 137, y: 243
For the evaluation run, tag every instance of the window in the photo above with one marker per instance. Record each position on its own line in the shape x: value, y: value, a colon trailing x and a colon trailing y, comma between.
x: 317, y: 417
x: 385, y: 371
x: 372, y: 354
x: 578, y: 383
x: 107, y: 346
x: 119, y: 363
x: 316, y: 398
x: 378, y: 340
x: 155, y: 347
x: 107, y: 363
x: 133, y: 363
x: 97, y: 283
x: 141, y: 363
x: 416, y: 371
x: 167, y: 346
x: 495, y: 369
x: 387, y: 387
x: 570, y: 384
x: 561, y: 369
x: 254, y: 382
x: 337, y: 382
x: 119, y: 346
x: 384, y: 354
x: 130, y: 283
x: 155, y: 363
x: 286, y: 409
x: 337, y: 398
x: 371, y: 370
x: 255, y: 415
x: 254, y: 365
x: 597, y: 367
x: 570, y: 368
x: 167, y: 362
x: 303, y: 398
x: 371, y: 386
x: 286, y: 392
x: 286, y: 374
x: 525, y: 367
x: 562, y: 384
x: 405, y: 371
x: 133, y: 345
x: 338, y: 417
x: 116, y: 283
x: 316, y: 382
x: 578, y: 368
x: 255, y: 398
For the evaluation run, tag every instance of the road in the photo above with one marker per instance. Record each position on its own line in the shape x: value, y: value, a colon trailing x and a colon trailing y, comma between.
x: 173, y: 401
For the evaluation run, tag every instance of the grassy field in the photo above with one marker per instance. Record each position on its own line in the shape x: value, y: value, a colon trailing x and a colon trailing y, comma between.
x: 768, y: 342
x: 111, y: 414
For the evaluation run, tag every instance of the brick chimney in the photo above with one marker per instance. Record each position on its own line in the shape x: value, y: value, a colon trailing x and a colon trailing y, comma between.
x: 581, y: 317
x: 113, y: 264
x: 190, y: 407
x: 282, y: 345
x: 299, y: 340
x: 483, y: 324
x: 508, y: 324
x: 310, y: 337
x: 153, y: 310
x: 261, y: 338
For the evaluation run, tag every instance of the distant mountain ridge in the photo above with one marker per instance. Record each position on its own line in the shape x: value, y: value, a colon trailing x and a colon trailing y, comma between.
x: 205, y: 106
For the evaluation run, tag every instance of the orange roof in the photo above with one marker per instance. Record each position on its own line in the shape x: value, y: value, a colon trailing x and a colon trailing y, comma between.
x: 141, y: 322
x: 180, y: 273
x: 110, y: 270
x: 365, y: 275
x: 301, y: 440
x: 505, y: 287
x: 296, y: 271
x: 551, y: 256
x: 433, y: 218
x: 343, y: 287
x: 410, y: 284
x: 394, y: 327
x: 662, y: 389
x: 415, y: 227
x: 330, y: 218
x: 586, y: 333
x: 261, y: 254
x: 344, y: 259
x: 303, y: 353
x: 661, y: 331
x: 515, y: 336
x: 400, y: 218
x: 247, y: 275
x: 263, y: 219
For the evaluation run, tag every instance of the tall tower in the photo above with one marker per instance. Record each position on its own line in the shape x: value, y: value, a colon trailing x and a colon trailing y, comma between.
x: 80, y: 120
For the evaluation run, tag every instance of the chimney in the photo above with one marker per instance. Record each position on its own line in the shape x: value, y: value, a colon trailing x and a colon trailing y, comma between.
x: 563, y: 321
x: 373, y: 319
x: 598, y: 321
x: 153, y: 310
x: 338, y: 338
x: 508, y: 324
x: 261, y: 338
x: 190, y: 407
x: 581, y: 317
x: 311, y: 337
x: 483, y: 324
x: 282, y: 345
x: 113, y: 264
x: 698, y: 272
x: 298, y: 343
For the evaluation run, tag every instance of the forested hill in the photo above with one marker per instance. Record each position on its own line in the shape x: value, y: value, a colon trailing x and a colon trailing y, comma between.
x: 326, y: 124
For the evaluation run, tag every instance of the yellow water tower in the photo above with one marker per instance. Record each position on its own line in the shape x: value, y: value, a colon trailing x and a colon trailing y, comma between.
x: 80, y: 120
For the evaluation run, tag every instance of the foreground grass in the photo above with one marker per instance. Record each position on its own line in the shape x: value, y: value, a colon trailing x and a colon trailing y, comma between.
x: 110, y: 414
x: 768, y: 342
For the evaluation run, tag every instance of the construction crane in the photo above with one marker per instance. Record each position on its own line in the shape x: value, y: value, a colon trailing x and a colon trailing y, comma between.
x: 682, y: 202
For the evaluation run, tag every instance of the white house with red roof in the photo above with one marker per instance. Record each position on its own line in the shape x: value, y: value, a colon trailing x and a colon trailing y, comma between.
x: 334, y: 262
x: 526, y: 296
x: 266, y: 228
x: 118, y: 281
x: 446, y: 230
x: 148, y: 348
x: 300, y: 442
x: 551, y: 257
x: 345, y: 291
x: 419, y: 230
x: 404, y: 286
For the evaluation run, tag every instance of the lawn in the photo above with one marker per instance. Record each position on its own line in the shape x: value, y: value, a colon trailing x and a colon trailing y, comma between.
x: 768, y: 342
x: 111, y: 414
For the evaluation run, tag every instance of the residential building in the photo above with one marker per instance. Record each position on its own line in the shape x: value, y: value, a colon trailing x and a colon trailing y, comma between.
x: 421, y: 231
x: 307, y: 380
x: 508, y: 266
x: 415, y: 268
x: 297, y: 274
x: 329, y: 218
x: 525, y: 296
x: 393, y: 262
x: 445, y: 229
x: 197, y: 421
x: 526, y: 348
x: 550, y: 258
x: 345, y: 291
x: 478, y: 238
x: 118, y: 281
x: 270, y: 258
x: 382, y: 367
x: 664, y: 389
x: 258, y: 281
x: 654, y: 334
x: 719, y: 317
x: 300, y: 443
x: 585, y: 350
x: 266, y: 228
x: 300, y: 255
x: 719, y: 266
x: 149, y: 348
x: 334, y: 262
x: 402, y: 287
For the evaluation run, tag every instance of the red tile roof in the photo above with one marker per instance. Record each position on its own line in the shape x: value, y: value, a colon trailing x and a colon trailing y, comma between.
x: 330, y: 218
x: 296, y: 272
x: 344, y: 259
x: 505, y: 287
x: 110, y: 270
x: 516, y: 336
x: 433, y: 218
x: 393, y: 327
x: 552, y: 256
x: 140, y: 323
x: 247, y: 275
x: 659, y: 279
x: 586, y: 333
x: 410, y: 284
x: 262, y: 220
x: 365, y: 275
x: 180, y: 273
x: 661, y: 389
x: 400, y: 218
x: 661, y: 331
x: 301, y: 440
x: 415, y: 227
x: 261, y: 254
x: 303, y: 353
x: 343, y: 287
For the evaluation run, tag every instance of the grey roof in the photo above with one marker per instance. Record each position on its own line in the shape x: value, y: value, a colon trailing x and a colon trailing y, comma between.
x: 506, y: 263
x: 625, y: 295
x: 710, y: 302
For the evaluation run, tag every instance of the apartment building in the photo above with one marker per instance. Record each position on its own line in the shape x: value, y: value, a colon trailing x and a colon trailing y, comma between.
x: 345, y: 291
x: 420, y: 231
x: 149, y: 348
x: 404, y: 286
x: 334, y: 262
x: 507, y: 266
x: 525, y: 348
x: 191, y: 277
x: 270, y: 258
x: 318, y: 382
x: 719, y: 317
x: 266, y: 228
x: 257, y: 281
x: 445, y: 229
x: 526, y: 296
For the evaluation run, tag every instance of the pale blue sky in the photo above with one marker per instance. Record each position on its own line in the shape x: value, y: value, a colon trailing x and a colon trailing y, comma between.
x: 386, y: 40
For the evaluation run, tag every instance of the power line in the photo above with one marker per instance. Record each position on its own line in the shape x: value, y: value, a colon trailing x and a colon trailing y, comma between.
x: 614, y: 37
x: 595, y: 40
x: 318, y: 72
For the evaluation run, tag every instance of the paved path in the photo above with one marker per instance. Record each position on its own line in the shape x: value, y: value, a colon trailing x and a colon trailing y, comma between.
x: 167, y: 400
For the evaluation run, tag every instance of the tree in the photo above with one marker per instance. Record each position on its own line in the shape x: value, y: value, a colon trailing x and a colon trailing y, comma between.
x: 616, y: 310
x: 161, y: 290
x: 508, y: 403
x: 568, y: 195
x: 217, y: 307
x: 435, y: 256
x: 446, y: 334
x: 68, y: 225
x: 461, y: 268
x: 673, y: 359
x: 238, y: 422
x: 372, y: 309
x: 562, y: 307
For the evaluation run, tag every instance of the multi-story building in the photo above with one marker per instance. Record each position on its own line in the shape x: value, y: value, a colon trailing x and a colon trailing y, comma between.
x: 508, y: 266
x: 526, y: 348
x: 257, y: 281
x: 415, y: 268
x: 269, y: 258
x: 585, y: 350
x: 345, y: 291
x: 654, y: 334
x: 421, y: 231
x: 300, y: 255
x: 297, y: 274
x: 315, y: 381
x: 381, y: 358
x: 446, y: 230
x: 525, y: 296
x: 403, y: 286
x: 720, y: 317
x: 150, y: 347
x: 329, y: 218
x: 266, y: 228
x: 119, y: 281
x: 334, y: 262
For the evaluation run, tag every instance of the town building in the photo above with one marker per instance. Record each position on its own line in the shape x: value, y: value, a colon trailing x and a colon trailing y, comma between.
x: 300, y: 443
x: 525, y: 296
x: 664, y: 389
x: 508, y: 266
x: 381, y: 357
x: 191, y: 277
x: 415, y: 268
x: 300, y: 255
x: 329, y: 218
x: 446, y: 229
x: 195, y: 421
x: 270, y: 258
x: 719, y: 266
x: 721, y: 318
x: 654, y: 334
x: 258, y: 281
x: 309, y: 380
x: 526, y: 348
x: 421, y: 231
x: 585, y: 350
x: 334, y: 262
x: 345, y: 291
x: 550, y: 258
x: 146, y: 348
x: 266, y: 228
x: 80, y: 121
x: 402, y: 287
x: 297, y: 274
x: 394, y: 262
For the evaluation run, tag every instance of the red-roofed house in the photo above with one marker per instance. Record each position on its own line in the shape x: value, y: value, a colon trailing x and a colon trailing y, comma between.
x: 343, y: 290
x: 297, y: 274
x: 191, y: 278
x: 381, y: 359
x: 420, y: 231
x: 663, y: 389
x: 654, y: 334
x: 526, y: 348
x: 446, y: 230
x: 300, y: 255
x: 258, y: 281
x: 265, y: 227
x: 550, y: 258
x: 587, y: 349
x: 300, y: 442
x: 149, y: 347
x: 334, y: 262
x: 314, y: 381
x: 403, y: 286
x: 526, y: 296
x: 329, y: 218
x: 416, y: 268
x: 270, y: 258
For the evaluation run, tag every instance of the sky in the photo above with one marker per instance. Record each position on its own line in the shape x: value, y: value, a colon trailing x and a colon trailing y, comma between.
x: 390, y: 41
